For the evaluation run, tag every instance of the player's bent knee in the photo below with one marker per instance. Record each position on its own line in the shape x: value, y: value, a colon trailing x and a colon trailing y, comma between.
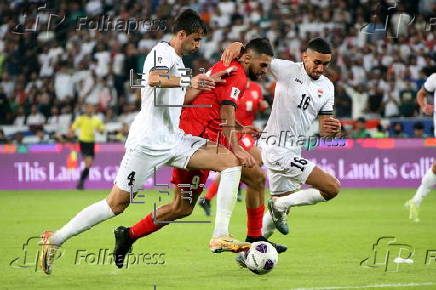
x: 259, y: 181
x: 332, y: 189
x: 118, y: 200
x: 229, y: 161
x: 118, y: 207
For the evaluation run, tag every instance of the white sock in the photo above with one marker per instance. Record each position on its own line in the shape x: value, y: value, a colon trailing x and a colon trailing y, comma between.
x: 268, y: 226
x: 428, y: 181
x: 226, y: 199
x: 302, y: 197
x: 84, y: 220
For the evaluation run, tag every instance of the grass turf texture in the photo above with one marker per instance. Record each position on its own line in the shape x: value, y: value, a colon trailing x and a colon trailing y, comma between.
x: 326, y: 244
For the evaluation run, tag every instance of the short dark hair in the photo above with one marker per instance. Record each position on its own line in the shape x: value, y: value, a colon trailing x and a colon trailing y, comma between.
x: 319, y: 45
x: 418, y: 126
x: 260, y: 45
x: 189, y: 21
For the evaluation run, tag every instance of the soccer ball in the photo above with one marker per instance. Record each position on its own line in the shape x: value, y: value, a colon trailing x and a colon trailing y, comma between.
x: 261, y: 258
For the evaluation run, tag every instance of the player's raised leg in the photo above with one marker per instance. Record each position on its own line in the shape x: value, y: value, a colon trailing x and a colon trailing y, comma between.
x: 428, y: 181
x: 324, y: 187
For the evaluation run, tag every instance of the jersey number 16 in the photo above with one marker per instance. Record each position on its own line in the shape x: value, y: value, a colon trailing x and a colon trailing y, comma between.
x: 304, y: 102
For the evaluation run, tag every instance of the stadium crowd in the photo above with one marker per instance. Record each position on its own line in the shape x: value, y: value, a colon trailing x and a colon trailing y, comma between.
x: 57, y: 56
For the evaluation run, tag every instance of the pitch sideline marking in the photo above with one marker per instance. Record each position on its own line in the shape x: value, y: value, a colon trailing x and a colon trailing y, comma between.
x: 369, y: 286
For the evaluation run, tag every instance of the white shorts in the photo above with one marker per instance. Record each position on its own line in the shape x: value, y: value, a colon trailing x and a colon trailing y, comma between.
x: 286, y: 169
x: 139, y: 163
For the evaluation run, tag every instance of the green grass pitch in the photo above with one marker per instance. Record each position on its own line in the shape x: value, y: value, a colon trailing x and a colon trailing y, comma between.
x: 327, y: 243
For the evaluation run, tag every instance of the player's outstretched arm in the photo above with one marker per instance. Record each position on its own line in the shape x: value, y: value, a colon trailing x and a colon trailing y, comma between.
x: 421, y: 99
x: 329, y: 126
x: 160, y: 78
x: 218, y: 77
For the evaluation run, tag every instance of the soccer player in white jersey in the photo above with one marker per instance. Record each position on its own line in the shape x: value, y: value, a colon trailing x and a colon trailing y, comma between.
x: 429, y: 178
x: 155, y: 138
x: 301, y: 95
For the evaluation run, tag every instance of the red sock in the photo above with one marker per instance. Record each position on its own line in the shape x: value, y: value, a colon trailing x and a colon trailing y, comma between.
x: 254, y: 221
x: 211, y: 192
x: 144, y: 227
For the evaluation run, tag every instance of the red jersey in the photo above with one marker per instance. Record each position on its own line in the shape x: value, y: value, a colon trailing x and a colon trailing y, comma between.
x: 205, y: 121
x: 249, y: 104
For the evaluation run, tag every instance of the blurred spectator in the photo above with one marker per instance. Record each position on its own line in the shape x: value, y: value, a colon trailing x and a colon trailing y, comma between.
x: 360, y: 130
x: 418, y: 131
x: 408, y: 106
x: 398, y: 130
x: 18, y: 138
x: 42, y: 137
x: 391, y: 102
x: 122, y: 134
x: 343, y: 103
x: 128, y: 114
x: 380, y: 132
x: 35, y: 117
x: 54, y: 118
x: 110, y: 116
x: 3, y: 138
x: 5, y: 108
x: 63, y: 84
x: 20, y: 118
x: 359, y: 98
x: 374, y: 106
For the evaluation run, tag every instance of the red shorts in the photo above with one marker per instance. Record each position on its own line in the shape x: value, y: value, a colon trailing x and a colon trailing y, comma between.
x: 190, y: 181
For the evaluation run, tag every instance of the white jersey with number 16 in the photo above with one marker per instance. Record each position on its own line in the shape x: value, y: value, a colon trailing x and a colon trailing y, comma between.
x: 298, y: 100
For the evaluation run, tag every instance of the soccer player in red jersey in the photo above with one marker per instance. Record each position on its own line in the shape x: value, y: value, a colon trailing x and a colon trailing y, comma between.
x: 249, y: 104
x: 216, y: 123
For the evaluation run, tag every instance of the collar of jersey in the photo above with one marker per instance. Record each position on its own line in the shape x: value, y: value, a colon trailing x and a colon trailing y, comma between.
x: 172, y: 48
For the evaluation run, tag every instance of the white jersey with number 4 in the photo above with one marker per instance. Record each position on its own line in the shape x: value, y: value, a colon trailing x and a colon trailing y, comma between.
x: 430, y: 86
x: 156, y: 126
x: 298, y: 100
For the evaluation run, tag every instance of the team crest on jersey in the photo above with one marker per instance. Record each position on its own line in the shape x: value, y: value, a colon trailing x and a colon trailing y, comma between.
x: 235, y: 93
x: 320, y: 92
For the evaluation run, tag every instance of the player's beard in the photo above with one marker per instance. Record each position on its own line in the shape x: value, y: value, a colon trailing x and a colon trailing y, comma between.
x: 253, y: 76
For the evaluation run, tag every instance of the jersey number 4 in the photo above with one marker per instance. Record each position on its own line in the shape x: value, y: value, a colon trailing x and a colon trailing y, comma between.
x: 304, y: 102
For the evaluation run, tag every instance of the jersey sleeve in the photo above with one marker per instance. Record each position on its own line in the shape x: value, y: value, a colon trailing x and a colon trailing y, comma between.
x: 328, y: 107
x: 281, y: 68
x: 76, y: 123
x: 231, y: 91
x: 430, y: 83
x: 100, y: 124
